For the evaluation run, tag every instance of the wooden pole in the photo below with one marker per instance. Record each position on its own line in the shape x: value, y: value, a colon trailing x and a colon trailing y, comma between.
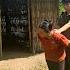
x: 29, y: 21
x: 0, y: 36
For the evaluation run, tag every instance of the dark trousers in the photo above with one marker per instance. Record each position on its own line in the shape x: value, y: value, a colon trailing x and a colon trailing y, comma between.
x: 56, y: 66
x: 67, y: 64
x: 67, y: 60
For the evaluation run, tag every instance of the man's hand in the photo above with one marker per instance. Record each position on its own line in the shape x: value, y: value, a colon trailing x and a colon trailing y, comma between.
x: 57, y: 30
x: 69, y: 41
x: 69, y: 44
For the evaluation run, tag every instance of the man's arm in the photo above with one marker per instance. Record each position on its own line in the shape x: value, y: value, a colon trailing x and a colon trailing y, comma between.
x: 64, y: 28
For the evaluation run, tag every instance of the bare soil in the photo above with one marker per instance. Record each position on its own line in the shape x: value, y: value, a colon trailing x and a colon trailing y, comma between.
x: 22, y: 61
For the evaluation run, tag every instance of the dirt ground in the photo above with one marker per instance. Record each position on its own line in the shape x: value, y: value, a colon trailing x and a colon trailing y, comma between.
x: 22, y: 61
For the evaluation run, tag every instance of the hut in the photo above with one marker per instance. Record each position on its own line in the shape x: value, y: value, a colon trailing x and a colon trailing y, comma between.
x: 35, y: 11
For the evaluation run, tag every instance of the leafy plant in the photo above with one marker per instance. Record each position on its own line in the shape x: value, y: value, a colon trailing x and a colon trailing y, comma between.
x: 61, y: 8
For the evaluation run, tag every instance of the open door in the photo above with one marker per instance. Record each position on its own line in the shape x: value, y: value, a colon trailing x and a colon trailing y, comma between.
x: 15, y: 23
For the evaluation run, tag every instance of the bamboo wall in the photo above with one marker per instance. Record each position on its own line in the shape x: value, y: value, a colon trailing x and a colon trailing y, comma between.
x: 40, y: 10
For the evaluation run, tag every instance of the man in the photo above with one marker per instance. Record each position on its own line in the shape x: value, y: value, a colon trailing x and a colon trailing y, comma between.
x: 64, y: 20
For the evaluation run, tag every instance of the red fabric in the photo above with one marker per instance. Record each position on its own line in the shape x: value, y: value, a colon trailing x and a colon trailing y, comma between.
x: 54, y: 51
x: 61, y: 39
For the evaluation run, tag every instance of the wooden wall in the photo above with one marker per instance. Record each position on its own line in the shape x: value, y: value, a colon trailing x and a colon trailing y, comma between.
x: 40, y: 10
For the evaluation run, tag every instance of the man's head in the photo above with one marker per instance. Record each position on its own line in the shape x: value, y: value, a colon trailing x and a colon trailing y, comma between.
x: 66, y: 5
x: 65, y: 1
x: 46, y: 25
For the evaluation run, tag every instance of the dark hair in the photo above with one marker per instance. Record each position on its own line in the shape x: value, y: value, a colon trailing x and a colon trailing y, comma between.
x: 65, y: 1
x: 46, y: 25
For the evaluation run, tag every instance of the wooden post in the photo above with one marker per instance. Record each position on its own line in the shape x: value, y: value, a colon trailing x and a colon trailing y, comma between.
x: 29, y: 22
x: 0, y: 36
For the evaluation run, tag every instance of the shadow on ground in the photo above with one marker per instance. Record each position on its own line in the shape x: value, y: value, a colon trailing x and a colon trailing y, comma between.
x: 12, y: 54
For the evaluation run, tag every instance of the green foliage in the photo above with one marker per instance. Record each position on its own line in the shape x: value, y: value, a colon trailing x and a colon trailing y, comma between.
x: 61, y: 8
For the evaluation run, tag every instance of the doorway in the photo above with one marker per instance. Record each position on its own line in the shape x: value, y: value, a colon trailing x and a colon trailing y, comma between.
x: 15, y: 25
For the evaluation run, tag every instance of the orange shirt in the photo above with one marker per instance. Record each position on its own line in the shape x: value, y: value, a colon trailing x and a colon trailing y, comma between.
x: 54, y: 47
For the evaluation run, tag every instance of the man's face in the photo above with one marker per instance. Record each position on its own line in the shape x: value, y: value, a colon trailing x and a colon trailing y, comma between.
x: 67, y: 7
x: 42, y: 33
